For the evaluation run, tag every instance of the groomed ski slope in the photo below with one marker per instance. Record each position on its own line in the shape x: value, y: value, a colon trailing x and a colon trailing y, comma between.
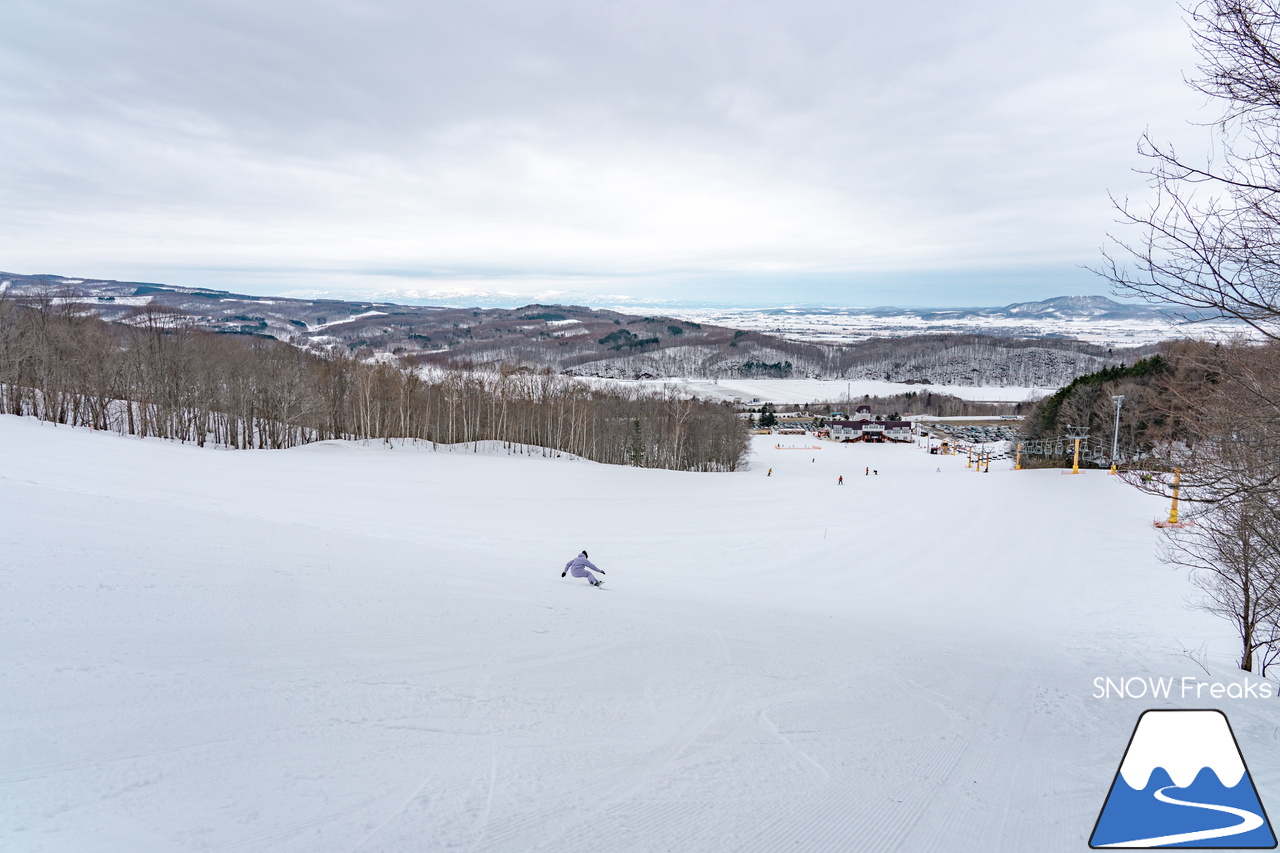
x: 357, y: 648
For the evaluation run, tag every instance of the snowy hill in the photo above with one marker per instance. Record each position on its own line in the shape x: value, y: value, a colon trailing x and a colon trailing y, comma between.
x: 1078, y: 307
x: 349, y: 648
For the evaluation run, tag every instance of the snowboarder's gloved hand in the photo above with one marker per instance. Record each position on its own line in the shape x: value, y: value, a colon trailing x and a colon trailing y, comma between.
x: 601, y: 571
x: 562, y: 574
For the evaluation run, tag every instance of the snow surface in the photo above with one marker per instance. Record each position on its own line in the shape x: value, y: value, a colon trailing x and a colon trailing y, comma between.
x: 844, y: 325
x: 369, y: 648
x: 344, y: 320
x: 1183, y: 743
x: 93, y: 300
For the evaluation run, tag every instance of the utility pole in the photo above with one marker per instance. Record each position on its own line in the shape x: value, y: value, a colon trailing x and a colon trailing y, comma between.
x: 1118, y: 399
x: 1173, y: 507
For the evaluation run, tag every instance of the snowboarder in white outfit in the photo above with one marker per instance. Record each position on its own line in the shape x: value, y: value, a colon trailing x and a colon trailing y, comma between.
x: 579, y: 565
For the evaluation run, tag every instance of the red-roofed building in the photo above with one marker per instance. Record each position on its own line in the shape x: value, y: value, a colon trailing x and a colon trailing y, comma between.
x: 865, y: 429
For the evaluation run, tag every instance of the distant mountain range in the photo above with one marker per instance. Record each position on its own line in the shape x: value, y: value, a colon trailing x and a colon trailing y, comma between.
x: 1062, y: 308
x: 1057, y: 308
x: 618, y: 344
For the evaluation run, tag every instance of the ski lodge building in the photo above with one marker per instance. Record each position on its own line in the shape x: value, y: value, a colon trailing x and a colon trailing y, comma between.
x: 864, y: 428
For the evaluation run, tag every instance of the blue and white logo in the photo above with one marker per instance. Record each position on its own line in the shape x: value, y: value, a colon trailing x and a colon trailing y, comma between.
x: 1183, y: 783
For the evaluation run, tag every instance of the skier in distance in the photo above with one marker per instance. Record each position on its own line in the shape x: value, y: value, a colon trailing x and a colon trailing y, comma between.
x: 580, y: 566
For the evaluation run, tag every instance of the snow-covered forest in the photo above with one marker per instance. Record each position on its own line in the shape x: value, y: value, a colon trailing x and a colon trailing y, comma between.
x: 155, y: 376
x: 971, y: 360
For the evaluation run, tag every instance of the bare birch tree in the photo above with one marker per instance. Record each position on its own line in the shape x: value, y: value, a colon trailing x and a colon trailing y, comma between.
x: 1234, y: 558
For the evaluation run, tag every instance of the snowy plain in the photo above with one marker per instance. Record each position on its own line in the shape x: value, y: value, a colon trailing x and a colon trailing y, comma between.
x: 835, y: 325
x: 792, y: 391
x: 369, y: 648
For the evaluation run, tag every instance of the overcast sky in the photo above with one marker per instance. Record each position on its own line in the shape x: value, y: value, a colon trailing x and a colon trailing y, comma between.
x: 926, y: 153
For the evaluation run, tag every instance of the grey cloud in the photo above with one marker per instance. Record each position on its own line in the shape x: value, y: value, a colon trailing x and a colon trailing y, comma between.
x: 985, y: 130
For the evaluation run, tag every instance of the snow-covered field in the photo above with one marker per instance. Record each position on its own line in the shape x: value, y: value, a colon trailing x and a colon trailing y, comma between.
x: 353, y: 649
x: 788, y: 391
x: 844, y: 325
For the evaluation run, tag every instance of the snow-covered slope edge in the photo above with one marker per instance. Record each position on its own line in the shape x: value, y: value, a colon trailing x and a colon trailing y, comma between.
x: 343, y: 647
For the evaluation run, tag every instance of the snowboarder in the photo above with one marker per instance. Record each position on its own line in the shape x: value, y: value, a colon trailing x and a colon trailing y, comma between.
x: 770, y: 474
x: 840, y: 482
x: 580, y: 565
x: 867, y: 473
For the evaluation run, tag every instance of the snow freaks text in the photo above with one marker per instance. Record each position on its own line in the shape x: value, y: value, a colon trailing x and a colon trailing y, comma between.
x: 1186, y: 687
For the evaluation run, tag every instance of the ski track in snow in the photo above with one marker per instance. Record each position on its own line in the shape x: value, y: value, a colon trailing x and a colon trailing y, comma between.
x: 360, y: 648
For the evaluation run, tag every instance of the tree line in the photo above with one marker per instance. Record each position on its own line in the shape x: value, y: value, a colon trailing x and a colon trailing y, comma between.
x: 1209, y: 414
x: 934, y: 359
x: 1217, y: 415
x: 1207, y: 240
x: 926, y: 402
x: 1148, y: 418
x: 154, y: 375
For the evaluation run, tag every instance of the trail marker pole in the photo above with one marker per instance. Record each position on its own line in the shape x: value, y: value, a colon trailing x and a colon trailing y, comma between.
x: 1017, y: 462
